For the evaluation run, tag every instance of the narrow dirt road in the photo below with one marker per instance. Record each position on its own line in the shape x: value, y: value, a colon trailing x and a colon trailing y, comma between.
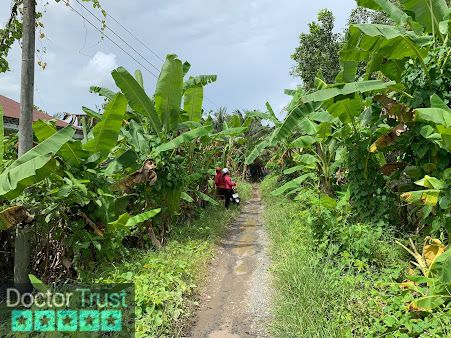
x: 236, y: 301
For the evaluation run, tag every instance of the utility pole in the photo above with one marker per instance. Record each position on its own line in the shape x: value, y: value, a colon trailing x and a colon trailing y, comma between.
x: 23, y: 235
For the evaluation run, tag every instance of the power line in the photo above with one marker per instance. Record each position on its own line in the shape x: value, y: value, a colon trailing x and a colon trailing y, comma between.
x: 110, y: 39
x: 136, y: 38
x: 145, y: 46
x: 118, y: 36
x: 213, y: 103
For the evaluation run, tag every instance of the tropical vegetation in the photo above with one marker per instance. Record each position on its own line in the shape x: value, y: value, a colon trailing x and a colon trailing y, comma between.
x: 357, y: 201
x: 365, y: 158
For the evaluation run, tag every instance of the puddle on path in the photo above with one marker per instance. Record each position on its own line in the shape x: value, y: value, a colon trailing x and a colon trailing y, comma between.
x: 222, y: 334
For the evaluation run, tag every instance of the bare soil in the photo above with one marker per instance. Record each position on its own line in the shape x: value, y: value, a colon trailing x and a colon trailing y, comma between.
x: 235, y: 302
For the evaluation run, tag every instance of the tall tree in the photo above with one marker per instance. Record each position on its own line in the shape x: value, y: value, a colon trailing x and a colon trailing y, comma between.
x: 318, y: 51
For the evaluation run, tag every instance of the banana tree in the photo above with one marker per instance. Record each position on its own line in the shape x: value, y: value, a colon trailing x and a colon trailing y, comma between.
x: 29, y: 169
x: 173, y: 124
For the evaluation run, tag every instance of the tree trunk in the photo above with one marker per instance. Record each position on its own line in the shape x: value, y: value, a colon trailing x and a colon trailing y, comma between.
x: 23, y: 234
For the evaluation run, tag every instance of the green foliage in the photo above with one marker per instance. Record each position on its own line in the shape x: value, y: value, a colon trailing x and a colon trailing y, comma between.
x: 325, y: 267
x: 33, y: 166
x: 393, y: 145
x: 106, y: 132
x: 318, y: 51
x: 439, y: 68
x: 137, y: 98
x: 370, y: 199
x: 169, y: 91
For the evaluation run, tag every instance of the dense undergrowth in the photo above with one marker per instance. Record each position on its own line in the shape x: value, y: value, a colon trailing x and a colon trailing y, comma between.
x: 338, y: 278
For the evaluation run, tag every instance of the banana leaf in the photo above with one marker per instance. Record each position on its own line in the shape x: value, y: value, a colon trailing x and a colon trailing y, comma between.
x: 91, y: 113
x: 192, y: 103
x: 50, y: 146
x: 14, y: 216
x: 72, y: 151
x: 128, y: 221
x: 186, y: 67
x: 431, y: 183
x: 273, y: 115
x: 308, y: 163
x: 321, y: 116
x: 395, y: 13
x: 186, y: 197
x: 383, y: 43
x: 428, y: 13
x: 424, y: 197
x: 442, y: 267
x: 347, y: 110
x: 437, y: 102
x: 303, y: 142
x: 137, y: 97
x: 257, y: 151
x: 231, y: 132
x: 106, y: 132
x: 235, y: 121
x: 206, y: 198
x: 295, y: 121
x: 346, y: 89
x: 16, y: 179
x: 294, y: 184
x: 434, y: 115
x: 185, y: 137
x: 168, y: 92
x: 139, y: 78
x: 124, y: 161
x: 388, y: 139
x: 105, y: 92
x: 201, y: 80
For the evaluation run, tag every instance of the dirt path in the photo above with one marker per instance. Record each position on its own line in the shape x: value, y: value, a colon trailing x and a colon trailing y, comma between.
x: 236, y: 301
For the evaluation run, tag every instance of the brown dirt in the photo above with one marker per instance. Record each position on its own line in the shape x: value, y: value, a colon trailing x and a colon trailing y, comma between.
x: 235, y: 303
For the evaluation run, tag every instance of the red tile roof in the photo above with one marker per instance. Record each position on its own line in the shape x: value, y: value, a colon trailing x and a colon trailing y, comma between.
x: 11, y: 109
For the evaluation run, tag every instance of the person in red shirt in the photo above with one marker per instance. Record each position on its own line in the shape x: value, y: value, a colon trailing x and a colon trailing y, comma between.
x: 228, y: 187
x: 220, y: 184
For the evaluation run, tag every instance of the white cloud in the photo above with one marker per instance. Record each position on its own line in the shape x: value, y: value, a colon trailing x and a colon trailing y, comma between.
x: 98, y: 71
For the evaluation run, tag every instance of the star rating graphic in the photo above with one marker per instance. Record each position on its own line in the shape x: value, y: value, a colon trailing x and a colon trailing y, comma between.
x: 21, y: 321
x: 44, y: 321
x: 111, y: 320
x: 99, y: 309
x: 67, y: 321
x: 89, y: 321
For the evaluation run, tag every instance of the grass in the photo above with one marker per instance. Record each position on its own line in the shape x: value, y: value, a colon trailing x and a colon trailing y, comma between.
x: 334, y: 277
x: 304, y: 291
x: 166, y: 280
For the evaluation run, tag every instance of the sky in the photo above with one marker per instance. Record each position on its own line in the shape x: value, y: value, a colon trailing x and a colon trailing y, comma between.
x: 246, y: 43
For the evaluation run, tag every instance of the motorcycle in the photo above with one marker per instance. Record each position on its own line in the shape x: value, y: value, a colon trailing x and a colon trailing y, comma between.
x: 235, y: 198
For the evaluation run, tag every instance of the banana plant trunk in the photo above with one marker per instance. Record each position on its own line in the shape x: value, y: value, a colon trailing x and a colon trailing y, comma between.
x: 323, y: 172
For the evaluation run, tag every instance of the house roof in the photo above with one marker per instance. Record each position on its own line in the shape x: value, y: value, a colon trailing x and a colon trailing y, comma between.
x: 11, y: 109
